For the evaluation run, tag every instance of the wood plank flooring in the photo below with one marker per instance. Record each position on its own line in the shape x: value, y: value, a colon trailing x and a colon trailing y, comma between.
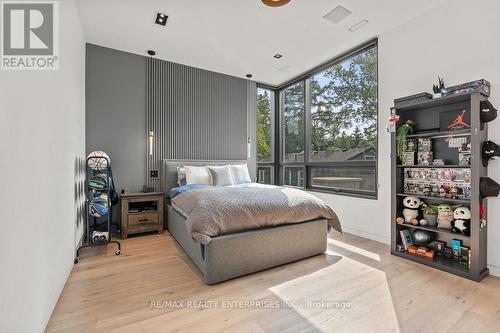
x: 363, y: 288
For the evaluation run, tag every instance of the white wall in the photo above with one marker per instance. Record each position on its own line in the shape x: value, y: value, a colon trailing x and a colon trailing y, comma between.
x: 41, y: 145
x: 458, y: 41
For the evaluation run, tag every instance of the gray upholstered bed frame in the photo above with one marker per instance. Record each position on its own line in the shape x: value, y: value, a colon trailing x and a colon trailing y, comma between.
x: 230, y: 256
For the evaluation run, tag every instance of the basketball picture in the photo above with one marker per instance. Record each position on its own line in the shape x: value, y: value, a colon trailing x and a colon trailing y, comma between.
x: 98, y: 160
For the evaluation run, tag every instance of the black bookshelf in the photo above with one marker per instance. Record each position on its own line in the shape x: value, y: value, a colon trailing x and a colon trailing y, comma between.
x: 437, y: 134
x: 426, y: 115
x: 417, y: 166
x: 440, y: 199
x: 449, y: 233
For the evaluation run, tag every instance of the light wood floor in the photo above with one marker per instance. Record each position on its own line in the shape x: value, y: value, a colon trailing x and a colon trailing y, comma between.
x: 382, y: 293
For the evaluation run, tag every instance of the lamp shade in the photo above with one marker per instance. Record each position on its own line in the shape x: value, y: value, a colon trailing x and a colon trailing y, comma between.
x: 488, y: 151
x: 488, y: 188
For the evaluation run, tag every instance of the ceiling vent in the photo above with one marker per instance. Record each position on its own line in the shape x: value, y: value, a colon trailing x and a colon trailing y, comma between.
x: 358, y: 25
x: 337, y: 14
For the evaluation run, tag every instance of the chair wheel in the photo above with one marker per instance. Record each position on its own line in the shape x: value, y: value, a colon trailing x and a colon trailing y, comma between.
x: 117, y: 252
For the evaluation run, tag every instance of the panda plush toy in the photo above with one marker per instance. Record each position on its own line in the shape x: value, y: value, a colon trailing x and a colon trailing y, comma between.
x: 412, y: 205
x: 461, y: 222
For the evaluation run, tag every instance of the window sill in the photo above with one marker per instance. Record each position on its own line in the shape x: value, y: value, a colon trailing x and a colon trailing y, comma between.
x: 344, y: 194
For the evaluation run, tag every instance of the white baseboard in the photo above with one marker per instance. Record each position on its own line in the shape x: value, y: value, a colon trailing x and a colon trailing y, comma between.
x: 368, y: 235
x: 494, y: 270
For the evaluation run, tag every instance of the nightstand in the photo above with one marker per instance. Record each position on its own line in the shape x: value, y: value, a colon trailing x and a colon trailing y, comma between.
x: 141, y: 212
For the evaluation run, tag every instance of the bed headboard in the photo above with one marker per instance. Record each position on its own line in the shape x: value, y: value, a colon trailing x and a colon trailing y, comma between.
x: 169, y: 170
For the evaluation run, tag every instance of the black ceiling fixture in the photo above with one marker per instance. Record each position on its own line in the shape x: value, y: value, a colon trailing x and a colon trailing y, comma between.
x: 151, y: 52
x: 275, y: 3
x: 278, y: 56
x: 249, y: 76
x: 161, y: 18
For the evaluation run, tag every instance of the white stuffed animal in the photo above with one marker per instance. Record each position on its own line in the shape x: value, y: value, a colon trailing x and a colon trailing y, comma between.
x: 412, y: 205
x: 461, y: 222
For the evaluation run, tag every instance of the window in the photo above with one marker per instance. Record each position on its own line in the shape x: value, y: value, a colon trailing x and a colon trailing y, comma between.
x: 265, y: 135
x: 293, y: 123
x: 329, y: 127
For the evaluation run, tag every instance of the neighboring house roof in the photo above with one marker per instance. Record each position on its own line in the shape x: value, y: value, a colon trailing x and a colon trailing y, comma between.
x: 344, y: 154
x: 338, y: 155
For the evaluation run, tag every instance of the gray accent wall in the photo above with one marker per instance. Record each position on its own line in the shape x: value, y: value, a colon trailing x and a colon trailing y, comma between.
x: 252, y: 127
x: 116, y: 112
x: 194, y: 114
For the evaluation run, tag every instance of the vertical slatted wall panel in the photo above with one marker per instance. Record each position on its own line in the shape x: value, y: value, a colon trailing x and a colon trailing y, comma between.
x: 195, y: 114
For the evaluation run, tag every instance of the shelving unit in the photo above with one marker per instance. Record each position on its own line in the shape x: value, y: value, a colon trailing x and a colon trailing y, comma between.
x: 441, y: 263
x: 94, y: 223
x: 432, y: 166
x: 440, y: 134
x: 426, y: 116
x: 436, y: 230
x: 446, y: 200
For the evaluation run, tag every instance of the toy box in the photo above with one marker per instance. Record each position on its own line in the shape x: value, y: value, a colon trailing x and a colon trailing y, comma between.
x: 424, y: 144
x: 411, y: 145
x: 424, y: 157
x: 409, y: 158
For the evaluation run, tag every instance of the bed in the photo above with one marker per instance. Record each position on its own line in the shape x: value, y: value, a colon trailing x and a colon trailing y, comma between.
x: 232, y: 255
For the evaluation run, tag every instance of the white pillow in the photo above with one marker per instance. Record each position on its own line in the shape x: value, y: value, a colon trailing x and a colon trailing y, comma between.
x: 240, y: 174
x: 221, y: 175
x: 198, y: 175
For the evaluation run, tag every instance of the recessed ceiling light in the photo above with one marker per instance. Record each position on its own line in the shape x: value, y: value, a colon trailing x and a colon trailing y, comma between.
x: 151, y: 52
x: 249, y: 76
x: 278, y: 56
x: 337, y: 14
x: 161, y: 18
x: 358, y: 25
x: 275, y: 3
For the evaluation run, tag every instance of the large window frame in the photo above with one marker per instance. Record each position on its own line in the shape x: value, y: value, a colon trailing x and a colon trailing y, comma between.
x: 307, y: 165
x: 272, y: 164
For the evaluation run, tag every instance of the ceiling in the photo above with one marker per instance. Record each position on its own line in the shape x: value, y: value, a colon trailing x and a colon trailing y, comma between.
x: 237, y: 37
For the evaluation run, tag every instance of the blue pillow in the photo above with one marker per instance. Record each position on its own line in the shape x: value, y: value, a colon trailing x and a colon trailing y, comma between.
x: 178, y: 190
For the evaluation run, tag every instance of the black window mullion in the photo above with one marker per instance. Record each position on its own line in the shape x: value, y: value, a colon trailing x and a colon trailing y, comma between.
x: 307, y: 129
x: 278, y: 148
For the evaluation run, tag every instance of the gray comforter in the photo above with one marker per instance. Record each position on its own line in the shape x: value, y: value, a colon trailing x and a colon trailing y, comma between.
x: 216, y: 211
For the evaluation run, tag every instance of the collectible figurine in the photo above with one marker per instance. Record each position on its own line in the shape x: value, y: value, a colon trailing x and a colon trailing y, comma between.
x: 427, y: 190
x: 442, y: 191
x: 454, y: 192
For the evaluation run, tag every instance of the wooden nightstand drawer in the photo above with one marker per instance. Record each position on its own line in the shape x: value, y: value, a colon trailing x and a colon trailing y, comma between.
x: 142, y: 212
x: 143, y: 219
